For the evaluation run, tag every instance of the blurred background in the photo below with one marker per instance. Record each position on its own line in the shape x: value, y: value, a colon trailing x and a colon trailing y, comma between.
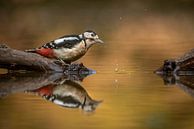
x: 160, y: 25
x: 138, y: 36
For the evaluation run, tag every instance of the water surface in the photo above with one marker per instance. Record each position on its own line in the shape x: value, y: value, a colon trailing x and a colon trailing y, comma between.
x: 137, y: 36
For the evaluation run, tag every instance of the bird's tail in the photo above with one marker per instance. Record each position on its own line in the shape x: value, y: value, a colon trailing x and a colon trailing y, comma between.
x: 31, y: 50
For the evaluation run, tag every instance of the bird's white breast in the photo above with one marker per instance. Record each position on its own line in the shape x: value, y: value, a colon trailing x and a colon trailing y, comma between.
x: 68, y: 54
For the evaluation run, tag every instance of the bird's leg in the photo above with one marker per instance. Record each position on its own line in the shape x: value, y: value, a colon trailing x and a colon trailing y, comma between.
x: 61, y: 62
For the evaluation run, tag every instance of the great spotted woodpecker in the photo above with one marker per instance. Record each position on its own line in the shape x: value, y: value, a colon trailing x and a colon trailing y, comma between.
x: 69, y: 47
x: 69, y: 94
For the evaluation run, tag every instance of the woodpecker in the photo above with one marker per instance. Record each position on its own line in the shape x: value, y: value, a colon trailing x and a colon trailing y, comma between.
x: 68, y: 48
x: 69, y: 94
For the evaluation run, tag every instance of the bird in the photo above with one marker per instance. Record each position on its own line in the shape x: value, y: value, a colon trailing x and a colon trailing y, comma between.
x: 68, y: 93
x: 68, y: 48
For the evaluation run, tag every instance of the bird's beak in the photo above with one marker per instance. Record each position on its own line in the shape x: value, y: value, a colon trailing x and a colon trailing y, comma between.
x: 99, y: 41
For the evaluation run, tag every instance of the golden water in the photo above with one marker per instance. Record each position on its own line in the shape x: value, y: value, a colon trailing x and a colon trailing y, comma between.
x: 137, y: 40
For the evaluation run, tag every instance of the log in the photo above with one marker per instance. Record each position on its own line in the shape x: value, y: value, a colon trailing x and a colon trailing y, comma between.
x: 183, y: 65
x: 12, y: 59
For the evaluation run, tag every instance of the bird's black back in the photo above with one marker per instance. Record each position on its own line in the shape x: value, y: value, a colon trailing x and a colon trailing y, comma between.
x: 67, y: 41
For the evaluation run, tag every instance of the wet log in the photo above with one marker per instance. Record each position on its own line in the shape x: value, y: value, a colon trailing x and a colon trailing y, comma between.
x: 183, y: 65
x: 12, y: 59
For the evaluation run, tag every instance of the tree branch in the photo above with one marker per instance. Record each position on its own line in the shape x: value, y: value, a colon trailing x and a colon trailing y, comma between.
x: 19, y: 60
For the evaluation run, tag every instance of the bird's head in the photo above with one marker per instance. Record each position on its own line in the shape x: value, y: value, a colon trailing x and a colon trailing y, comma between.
x: 91, y: 38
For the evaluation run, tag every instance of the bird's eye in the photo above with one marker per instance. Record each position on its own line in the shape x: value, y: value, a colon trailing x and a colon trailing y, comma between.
x: 92, y: 35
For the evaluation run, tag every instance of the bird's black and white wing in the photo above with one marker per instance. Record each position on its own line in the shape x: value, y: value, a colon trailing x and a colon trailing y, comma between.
x: 65, y: 42
x: 67, y: 101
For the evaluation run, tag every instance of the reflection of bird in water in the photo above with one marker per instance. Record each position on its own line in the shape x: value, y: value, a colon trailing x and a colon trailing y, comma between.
x: 68, y: 48
x: 61, y: 88
x: 68, y: 94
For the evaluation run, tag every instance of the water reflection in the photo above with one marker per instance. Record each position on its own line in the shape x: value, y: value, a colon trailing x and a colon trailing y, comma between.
x: 61, y: 89
x: 67, y: 93
x: 185, y: 83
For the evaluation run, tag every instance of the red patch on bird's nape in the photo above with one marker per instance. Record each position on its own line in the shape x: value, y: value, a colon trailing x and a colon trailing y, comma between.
x: 47, y: 52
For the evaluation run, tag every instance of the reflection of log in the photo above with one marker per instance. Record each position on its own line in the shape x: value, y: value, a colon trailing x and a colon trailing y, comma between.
x: 19, y: 82
x: 14, y: 83
x: 61, y: 89
x: 20, y: 60
x: 185, y: 83
x: 186, y: 88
